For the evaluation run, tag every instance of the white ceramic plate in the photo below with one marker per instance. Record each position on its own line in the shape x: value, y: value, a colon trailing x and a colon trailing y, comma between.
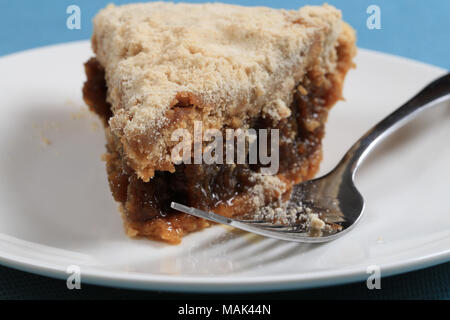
x: 56, y: 209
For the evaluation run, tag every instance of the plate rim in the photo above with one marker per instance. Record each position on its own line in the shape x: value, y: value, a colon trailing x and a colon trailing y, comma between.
x: 222, y: 284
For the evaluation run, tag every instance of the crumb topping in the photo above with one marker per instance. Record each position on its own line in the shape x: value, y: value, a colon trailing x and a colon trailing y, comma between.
x: 230, y: 61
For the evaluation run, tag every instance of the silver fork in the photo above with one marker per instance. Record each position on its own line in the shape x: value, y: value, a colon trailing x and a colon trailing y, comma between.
x: 335, y: 196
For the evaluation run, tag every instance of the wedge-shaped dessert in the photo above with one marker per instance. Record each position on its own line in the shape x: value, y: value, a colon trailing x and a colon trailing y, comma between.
x: 160, y: 67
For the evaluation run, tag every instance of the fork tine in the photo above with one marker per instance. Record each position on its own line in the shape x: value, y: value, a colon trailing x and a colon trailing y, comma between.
x: 252, y: 221
x: 211, y: 216
x: 269, y: 225
x: 294, y: 228
x: 259, y: 223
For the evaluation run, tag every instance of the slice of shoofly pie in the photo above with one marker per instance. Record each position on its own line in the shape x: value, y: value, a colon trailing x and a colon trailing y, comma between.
x: 159, y: 67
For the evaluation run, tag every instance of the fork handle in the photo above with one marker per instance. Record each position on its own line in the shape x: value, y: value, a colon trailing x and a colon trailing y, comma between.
x: 432, y: 94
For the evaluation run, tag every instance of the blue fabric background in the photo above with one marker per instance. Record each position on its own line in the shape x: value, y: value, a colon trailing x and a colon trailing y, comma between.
x: 412, y: 28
